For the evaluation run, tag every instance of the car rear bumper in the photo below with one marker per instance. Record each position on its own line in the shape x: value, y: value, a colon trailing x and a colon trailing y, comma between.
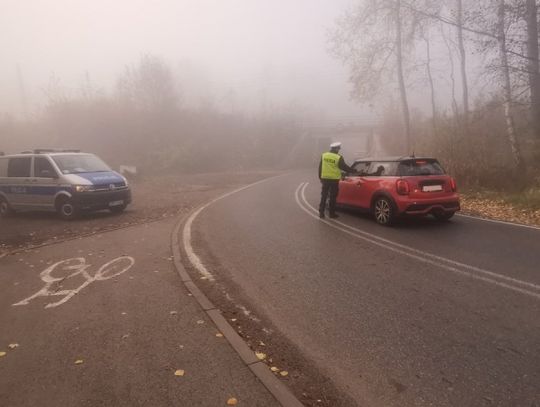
x: 427, y: 206
x: 97, y: 200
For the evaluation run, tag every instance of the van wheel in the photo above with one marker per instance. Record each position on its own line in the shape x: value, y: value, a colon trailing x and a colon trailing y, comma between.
x: 383, y: 211
x: 5, y: 210
x: 117, y: 209
x: 66, y: 209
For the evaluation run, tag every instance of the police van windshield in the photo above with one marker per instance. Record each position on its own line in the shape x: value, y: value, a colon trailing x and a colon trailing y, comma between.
x: 79, y: 163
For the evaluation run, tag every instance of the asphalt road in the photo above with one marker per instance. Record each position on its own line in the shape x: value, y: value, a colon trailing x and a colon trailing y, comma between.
x: 421, y: 314
x: 105, y: 320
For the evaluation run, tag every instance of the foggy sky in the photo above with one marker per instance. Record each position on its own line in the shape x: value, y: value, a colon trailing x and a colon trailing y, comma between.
x: 235, y: 52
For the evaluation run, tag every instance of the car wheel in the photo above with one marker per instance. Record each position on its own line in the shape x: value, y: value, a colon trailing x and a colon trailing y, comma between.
x: 383, y: 211
x: 66, y: 209
x: 443, y: 216
x: 117, y: 209
x: 5, y: 209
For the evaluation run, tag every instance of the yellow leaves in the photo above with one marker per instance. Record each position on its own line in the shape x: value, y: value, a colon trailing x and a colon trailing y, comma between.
x: 260, y: 355
x: 284, y: 373
x: 180, y: 373
x: 2, y: 354
x: 232, y: 401
x: 219, y: 335
x: 79, y: 362
x: 13, y: 345
x: 200, y: 322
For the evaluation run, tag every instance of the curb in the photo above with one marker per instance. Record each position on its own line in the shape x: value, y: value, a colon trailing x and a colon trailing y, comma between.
x: 280, y: 391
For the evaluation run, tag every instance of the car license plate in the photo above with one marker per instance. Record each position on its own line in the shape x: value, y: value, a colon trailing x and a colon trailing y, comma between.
x: 432, y: 188
x: 116, y: 203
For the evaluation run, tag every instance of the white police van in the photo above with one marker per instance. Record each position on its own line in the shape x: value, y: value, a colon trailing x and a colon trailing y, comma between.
x: 65, y: 181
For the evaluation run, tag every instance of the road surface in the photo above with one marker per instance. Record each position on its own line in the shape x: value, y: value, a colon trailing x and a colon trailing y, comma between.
x: 421, y: 314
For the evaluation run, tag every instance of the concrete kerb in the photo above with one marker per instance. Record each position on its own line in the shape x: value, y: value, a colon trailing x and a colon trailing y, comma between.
x: 279, y: 390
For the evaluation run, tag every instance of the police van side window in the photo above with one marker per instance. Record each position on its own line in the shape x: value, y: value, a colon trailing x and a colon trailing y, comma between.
x: 3, y: 167
x: 19, y: 167
x: 43, y: 168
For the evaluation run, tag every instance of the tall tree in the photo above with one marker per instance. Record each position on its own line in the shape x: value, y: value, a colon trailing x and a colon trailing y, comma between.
x: 507, y: 85
x: 463, y: 61
x: 533, y: 63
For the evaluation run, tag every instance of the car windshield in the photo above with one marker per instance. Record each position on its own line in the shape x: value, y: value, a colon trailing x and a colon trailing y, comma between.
x: 420, y: 167
x: 79, y: 163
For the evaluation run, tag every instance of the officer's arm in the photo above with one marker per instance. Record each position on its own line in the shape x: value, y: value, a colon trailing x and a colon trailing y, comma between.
x: 344, y: 167
x: 320, y: 168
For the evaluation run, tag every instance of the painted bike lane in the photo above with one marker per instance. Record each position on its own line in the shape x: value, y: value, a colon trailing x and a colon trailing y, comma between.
x: 105, y: 320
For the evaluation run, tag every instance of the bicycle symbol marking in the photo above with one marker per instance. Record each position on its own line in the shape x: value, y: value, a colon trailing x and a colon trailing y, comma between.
x: 75, y: 268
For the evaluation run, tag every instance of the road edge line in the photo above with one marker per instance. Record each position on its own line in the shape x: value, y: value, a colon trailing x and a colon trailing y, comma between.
x: 281, y: 392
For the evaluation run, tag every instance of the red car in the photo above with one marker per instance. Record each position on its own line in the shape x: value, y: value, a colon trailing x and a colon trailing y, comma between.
x: 393, y: 187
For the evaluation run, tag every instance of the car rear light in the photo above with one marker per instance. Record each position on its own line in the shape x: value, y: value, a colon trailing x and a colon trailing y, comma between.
x: 453, y: 184
x: 402, y: 187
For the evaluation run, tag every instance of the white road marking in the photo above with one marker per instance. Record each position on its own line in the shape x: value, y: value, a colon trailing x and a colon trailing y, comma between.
x: 502, y: 222
x: 186, y: 233
x: 76, y: 268
x: 500, y: 280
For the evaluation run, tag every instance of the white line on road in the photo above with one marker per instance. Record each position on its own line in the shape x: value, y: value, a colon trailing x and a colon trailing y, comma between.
x: 451, y: 265
x: 186, y: 233
x: 502, y: 222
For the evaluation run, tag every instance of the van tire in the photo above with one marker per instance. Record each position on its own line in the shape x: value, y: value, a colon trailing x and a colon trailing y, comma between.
x: 5, y: 209
x: 117, y: 209
x: 66, y: 209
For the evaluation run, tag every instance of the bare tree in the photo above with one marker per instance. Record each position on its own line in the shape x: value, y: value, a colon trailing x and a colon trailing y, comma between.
x: 463, y: 61
x: 533, y: 63
x: 507, y: 86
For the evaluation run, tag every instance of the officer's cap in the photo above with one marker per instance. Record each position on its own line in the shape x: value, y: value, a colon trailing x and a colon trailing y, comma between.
x: 336, y: 144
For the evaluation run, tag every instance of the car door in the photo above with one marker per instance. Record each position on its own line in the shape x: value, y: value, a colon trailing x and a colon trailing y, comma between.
x: 350, y: 187
x: 44, y: 183
x: 18, y: 172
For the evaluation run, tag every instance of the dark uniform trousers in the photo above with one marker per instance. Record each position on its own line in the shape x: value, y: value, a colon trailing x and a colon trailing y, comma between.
x: 330, y: 188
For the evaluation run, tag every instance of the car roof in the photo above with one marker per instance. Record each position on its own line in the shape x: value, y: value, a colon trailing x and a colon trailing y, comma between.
x: 32, y: 154
x: 391, y: 159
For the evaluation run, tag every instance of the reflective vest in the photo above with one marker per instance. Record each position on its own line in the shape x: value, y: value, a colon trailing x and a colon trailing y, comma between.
x: 330, y: 168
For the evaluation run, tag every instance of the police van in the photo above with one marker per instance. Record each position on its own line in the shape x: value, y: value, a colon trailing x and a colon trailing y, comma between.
x: 65, y: 181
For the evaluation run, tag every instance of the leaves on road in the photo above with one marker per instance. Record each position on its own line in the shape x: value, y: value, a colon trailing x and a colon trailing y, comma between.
x: 284, y: 373
x: 274, y: 369
x: 232, y: 401
x: 2, y: 354
x: 13, y: 345
x: 219, y: 335
x: 200, y: 322
x: 260, y: 355
x: 180, y: 373
x: 79, y: 362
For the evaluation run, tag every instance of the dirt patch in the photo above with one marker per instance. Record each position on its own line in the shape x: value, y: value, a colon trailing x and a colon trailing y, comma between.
x: 498, y: 209
x: 154, y: 198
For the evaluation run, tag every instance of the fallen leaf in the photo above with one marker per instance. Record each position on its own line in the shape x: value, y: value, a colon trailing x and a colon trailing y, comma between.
x: 274, y: 369
x: 173, y: 312
x: 13, y: 345
x: 219, y: 335
x: 283, y: 373
x: 233, y: 319
x: 125, y: 336
x: 2, y: 354
x: 262, y: 343
x: 260, y: 355
x: 79, y: 362
x: 200, y: 321
x: 232, y: 402
x: 179, y: 372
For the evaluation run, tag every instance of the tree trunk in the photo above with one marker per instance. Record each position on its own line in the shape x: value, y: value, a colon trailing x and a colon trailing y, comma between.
x: 431, y: 86
x: 533, y: 65
x: 463, y: 63
x: 401, y: 80
x: 510, y: 128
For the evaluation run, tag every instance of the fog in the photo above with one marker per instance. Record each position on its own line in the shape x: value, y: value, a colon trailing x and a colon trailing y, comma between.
x: 239, y: 54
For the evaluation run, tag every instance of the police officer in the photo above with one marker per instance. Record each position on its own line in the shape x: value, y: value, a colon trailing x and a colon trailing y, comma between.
x: 330, y: 168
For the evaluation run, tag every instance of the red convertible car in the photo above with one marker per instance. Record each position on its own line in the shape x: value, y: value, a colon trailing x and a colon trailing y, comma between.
x: 393, y: 187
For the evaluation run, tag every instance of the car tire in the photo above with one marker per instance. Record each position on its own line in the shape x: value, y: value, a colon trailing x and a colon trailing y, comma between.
x: 5, y: 209
x: 117, y: 209
x: 383, y: 211
x: 443, y: 216
x: 66, y: 209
